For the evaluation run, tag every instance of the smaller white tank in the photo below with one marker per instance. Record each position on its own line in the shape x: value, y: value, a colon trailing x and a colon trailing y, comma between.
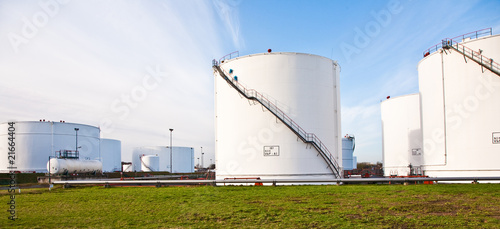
x: 127, y: 168
x: 150, y: 163
x: 348, y: 160
x: 66, y: 166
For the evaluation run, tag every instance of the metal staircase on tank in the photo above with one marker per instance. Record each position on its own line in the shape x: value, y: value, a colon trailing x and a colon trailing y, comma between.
x: 309, y: 138
x: 455, y: 44
x: 485, y: 62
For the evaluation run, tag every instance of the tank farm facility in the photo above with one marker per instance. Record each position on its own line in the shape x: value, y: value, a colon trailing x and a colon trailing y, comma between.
x: 278, y: 121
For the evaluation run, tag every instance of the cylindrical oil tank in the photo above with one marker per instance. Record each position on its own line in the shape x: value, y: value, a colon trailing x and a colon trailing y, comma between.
x: 127, y: 168
x: 401, y: 135
x: 460, y: 111
x: 36, y: 141
x: 111, y: 155
x: 182, y: 158
x: 348, y: 146
x: 68, y: 166
x: 251, y: 142
x: 150, y: 163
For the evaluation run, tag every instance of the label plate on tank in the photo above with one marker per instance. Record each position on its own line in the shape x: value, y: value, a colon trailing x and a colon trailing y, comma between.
x: 496, y: 137
x: 271, y: 150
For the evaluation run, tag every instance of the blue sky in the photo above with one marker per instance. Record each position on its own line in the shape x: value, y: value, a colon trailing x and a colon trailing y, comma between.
x: 138, y: 68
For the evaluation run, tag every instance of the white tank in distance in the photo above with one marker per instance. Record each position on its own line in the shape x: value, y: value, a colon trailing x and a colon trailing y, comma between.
x: 348, y: 159
x: 401, y: 135
x: 110, y: 155
x: 37, y: 140
x: 182, y: 158
x: 127, y: 168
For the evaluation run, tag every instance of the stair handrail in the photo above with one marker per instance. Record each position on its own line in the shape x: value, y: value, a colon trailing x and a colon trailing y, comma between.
x: 474, y: 55
x: 471, y: 35
x: 306, y: 137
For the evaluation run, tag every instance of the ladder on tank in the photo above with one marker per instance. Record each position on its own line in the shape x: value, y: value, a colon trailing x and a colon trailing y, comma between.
x: 309, y: 138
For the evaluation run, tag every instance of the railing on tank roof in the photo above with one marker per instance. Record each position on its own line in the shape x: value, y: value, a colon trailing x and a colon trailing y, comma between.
x: 229, y: 56
x: 471, y: 35
x: 307, y: 137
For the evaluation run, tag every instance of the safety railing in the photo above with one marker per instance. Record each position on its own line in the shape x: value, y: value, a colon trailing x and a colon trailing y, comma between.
x: 68, y: 154
x: 297, y: 129
x: 473, y: 55
x: 471, y: 35
x: 230, y: 56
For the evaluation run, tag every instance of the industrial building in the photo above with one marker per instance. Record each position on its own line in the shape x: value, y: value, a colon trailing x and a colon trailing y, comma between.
x: 36, y: 141
x: 157, y: 158
x: 277, y: 117
x: 349, y: 161
x: 451, y: 128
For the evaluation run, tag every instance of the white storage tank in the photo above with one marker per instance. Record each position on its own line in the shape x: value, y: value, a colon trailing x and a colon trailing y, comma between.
x: 182, y: 158
x: 36, y: 141
x: 252, y: 142
x: 150, y: 163
x: 127, y: 168
x: 111, y: 155
x: 460, y: 111
x: 348, y: 159
x: 401, y: 135
x: 70, y: 166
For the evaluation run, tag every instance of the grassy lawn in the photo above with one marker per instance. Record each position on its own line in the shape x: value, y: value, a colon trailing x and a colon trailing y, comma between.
x: 347, y: 206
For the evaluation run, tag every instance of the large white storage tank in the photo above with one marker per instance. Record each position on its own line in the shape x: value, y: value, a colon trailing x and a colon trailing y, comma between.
x: 182, y: 158
x: 460, y: 112
x: 36, y: 141
x: 401, y: 135
x: 111, y: 155
x: 251, y: 142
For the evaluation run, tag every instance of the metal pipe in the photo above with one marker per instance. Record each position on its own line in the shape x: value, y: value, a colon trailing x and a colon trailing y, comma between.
x: 283, y: 181
x: 202, y: 157
x: 171, y: 150
x: 76, y: 148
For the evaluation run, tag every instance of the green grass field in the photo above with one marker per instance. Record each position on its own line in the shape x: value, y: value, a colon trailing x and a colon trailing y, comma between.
x: 346, y: 206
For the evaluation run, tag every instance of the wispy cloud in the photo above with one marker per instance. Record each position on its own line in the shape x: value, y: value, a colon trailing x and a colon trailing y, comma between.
x: 228, y: 13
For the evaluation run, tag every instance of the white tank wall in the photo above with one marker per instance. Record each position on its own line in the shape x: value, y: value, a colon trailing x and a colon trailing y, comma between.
x: 36, y: 141
x: 182, y: 158
x: 305, y: 87
x: 150, y: 163
x: 347, y: 153
x: 401, y: 134
x: 111, y: 155
x: 460, y: 110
